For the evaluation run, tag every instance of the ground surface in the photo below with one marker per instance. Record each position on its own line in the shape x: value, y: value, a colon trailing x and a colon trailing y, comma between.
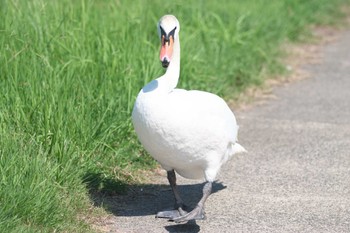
x: 295, y: 178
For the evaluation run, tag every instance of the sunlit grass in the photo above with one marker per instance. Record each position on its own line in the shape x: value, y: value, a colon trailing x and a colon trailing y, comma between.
x: 70, y: 72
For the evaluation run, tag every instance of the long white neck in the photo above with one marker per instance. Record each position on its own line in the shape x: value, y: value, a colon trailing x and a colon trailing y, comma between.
x: 171, y: 77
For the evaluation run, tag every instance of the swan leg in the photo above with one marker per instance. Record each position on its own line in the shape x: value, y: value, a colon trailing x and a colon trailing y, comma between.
x: 180, y: 207
x: 198, y: 212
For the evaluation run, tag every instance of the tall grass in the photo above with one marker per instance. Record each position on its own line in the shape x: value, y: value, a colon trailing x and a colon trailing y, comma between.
x: 69, y: 74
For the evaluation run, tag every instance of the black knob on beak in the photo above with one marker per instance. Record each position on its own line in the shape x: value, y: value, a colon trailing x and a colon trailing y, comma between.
x: 165, y: 63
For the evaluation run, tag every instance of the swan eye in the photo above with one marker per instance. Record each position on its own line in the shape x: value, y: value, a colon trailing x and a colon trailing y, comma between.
x: 162, y: 32
x: 172, y: 32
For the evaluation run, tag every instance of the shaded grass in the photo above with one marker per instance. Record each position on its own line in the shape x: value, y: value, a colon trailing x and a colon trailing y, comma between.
x: 69, y: 74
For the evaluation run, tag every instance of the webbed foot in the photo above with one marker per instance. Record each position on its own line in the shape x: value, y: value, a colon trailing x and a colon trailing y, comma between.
x: 172, y: 214
x: 196, y: 214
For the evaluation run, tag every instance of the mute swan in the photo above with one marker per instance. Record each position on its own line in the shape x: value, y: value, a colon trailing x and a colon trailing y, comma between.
x: 190, y: 132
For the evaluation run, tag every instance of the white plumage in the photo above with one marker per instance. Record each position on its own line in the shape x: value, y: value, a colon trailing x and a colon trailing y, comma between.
x: 191, y: 132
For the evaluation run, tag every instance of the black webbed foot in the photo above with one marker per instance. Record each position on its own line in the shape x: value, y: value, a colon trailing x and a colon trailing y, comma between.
x: 196, y: 214
x: 172, y: 214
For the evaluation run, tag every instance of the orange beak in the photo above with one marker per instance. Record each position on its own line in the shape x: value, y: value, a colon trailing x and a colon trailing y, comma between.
x: 166, y: 51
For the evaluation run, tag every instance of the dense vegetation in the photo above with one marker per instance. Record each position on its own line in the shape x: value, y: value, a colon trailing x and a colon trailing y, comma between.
x: 69, y: 74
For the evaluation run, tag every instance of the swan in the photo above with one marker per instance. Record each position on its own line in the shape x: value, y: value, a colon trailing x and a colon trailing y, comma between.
x: 191, y: 132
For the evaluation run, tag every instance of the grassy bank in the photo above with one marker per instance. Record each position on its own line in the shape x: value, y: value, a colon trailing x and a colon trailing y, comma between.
x: 70, y: 71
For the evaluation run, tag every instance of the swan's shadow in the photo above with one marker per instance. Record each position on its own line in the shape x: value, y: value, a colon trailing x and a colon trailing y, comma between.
x: 146, y: 199
x: 183, y: 228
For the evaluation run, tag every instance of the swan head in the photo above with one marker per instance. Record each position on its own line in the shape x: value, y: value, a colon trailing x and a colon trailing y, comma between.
x: 168, y: 31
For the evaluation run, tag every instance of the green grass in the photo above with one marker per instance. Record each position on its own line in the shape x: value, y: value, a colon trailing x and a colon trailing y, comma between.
x: 70, y: 71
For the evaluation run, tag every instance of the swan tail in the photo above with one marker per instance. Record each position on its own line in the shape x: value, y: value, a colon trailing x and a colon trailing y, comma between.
x: 237, y: 148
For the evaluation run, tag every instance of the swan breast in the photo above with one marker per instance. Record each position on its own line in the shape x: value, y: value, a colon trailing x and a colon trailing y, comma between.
x: 185, y: 129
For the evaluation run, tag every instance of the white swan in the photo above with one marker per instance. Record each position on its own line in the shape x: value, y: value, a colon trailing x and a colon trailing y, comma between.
x: 191, y: 132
